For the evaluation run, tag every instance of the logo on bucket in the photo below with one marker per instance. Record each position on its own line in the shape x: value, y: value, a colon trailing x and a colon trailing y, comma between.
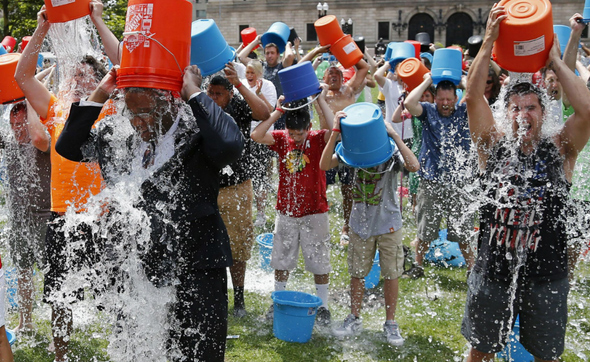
x: 56, y: 3
x: 311, y: 311
x: 139, y: 19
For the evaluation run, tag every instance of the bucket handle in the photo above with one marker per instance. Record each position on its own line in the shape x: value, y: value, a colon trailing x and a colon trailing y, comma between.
x: 151, y: 37
x: 304, y: 105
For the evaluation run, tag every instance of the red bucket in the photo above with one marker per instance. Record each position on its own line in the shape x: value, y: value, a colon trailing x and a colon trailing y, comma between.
x: 248, y: 36
x: 156, y: 50
x: 417, y: 46
x: 24, y: 42
x: 9, y: 43
x: 9, y: 89
x: 61, y: 11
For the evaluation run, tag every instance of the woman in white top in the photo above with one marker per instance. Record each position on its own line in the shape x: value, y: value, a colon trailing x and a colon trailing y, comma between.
x: 262, y: 87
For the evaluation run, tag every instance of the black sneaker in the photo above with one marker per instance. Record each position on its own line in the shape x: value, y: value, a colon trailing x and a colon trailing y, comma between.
x: 414, y: 272
x: 323, y: 317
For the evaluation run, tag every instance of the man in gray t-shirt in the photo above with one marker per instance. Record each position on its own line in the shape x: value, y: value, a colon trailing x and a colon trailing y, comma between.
x: 28, y: 198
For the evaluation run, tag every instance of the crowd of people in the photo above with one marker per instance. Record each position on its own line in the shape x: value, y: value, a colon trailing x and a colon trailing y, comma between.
x: 506, y: 154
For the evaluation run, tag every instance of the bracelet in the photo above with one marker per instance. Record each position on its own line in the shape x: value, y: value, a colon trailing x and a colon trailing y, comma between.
x: 280, y: 110
x: 239, y: 85
x: 335, y: 130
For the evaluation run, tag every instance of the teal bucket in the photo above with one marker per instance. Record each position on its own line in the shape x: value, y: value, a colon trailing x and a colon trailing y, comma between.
x: 10, y: 335
x: 399, y: 51
x: 365, y: 142
x: 586, y: 12
x: 563, y: 35
x: 265, y: 247
x: 447, y: 65
x: 11, y: 278
x: 372, y: 279
x: 2, y: 50
x: 209, y: 49
x: 278, y: 33
x: 294, y: 315
x: 514, y: 350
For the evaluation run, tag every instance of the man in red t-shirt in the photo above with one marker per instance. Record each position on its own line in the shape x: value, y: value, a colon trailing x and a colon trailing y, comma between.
x: 302, y: 206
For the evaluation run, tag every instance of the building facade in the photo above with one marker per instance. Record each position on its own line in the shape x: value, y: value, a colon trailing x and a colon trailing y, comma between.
x: 446, y: 21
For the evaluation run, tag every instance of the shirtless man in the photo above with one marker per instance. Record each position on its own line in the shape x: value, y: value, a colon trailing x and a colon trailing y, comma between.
x: 340, y: 95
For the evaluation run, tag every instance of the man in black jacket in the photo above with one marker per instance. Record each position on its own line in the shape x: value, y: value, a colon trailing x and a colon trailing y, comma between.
x: 179, y: 158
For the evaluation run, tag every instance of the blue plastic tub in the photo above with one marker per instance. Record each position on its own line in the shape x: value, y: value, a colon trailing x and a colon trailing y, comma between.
x: 294, y: 315
x: 514, y: 350
x: 10, y: 335
x: 447, y: 65
x: 299, y: 81
x: 265, y: 247
x: 372, y: 279
x: 209, y: 49
x: 399, y: 51
x: 278, y: 33
x: 445, y: 253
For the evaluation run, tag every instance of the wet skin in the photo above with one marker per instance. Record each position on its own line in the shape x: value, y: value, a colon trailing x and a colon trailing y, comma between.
x: 445, y: 101
x: 144, y: 114
x: 526, y: 115
x: 219, y: 94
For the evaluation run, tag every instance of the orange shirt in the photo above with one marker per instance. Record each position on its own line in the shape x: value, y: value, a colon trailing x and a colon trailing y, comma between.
x: 71, y: 182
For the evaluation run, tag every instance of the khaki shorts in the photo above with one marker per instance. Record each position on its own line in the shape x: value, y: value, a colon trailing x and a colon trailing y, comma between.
x: 436, y: 200
x: 361, y: 253
x: 235, y: 207
x: 312, y: 233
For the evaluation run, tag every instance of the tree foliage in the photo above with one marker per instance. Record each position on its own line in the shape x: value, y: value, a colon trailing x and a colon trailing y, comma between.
x: 19, y: 17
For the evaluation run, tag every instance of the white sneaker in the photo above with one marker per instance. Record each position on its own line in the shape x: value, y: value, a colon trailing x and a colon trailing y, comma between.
x: 350, y: 326
x: 392, y: 333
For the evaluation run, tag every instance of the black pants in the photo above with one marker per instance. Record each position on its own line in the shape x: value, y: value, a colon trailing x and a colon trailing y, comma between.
x: 200, y: 315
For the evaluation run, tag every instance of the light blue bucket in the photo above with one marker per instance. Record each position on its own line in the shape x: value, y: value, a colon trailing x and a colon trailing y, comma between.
x: 514, y: 350
x: 299, y: 81
x: 372, y: 279
x: 10, y: 335
x: 445, y: 253
x: 278, y: 33
x: 563, y: 35
x: 265, y: 248
x: 399, y: 51
x: 2, y: 50
x: 209, y: 49
x: 294, y: 315
x: 447, y: 64
x: 586, y: 13
x: 11, y: 278
x: 365, y: 142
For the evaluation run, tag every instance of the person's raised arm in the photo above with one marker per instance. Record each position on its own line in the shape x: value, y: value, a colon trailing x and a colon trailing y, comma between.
x: 288, y: 56
x: 372, y: 63
x: 37, y: 131
x: 329, y: 159
x: 243, y: 55
x: 112, y: 46
x: 357, y: 82
x: 259, y: 108
x: 584, y: 72
x: 570, y: 54
x: 481, y: 120
x: 262, y: 133
x: 325, y: 113
x: 380, y: 74
x: 38, y: 96
x: 314, y: 53
x: 412, y: 101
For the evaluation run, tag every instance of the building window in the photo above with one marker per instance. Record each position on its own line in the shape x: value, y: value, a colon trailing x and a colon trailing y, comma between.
x: 241, y: 27
x: 201, y: 14
x: 383, y: 30
x: 311, y: 34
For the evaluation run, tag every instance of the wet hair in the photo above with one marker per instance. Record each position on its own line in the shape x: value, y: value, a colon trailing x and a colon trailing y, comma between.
x: 17, y: 108
x: 256, y: 65
x: 297, y: 120
x: 446, y: 85
x: 99, y: 69
x: 272, y: 45
x: 252, y: 55
x: 522, y: 89
x: 222, y: 81
x: 336, y: 68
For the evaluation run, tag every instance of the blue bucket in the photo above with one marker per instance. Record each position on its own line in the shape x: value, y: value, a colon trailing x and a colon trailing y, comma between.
x: 365, y: 142
x: 2, y: 50
x: 299, y: 81
x: 209, y: 50
x: 11, y: 278
x: 586, y: 13
x: 10, y: 335
x: 265, y: 248
x: 563, y: 35
x: 447, y: 64
x: 399, y: 51
x: 372, y: 279
x: 278, y: 33
x: 294, y: 315
x: 514, y: 350
x: 445, y: 253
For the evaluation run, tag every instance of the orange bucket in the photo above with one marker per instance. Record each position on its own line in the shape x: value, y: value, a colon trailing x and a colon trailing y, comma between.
x: 411, y: 71
x: 24, y: 42
x: 328, y: 30
x: 9, y: 90
x: 155, y: 49
x: 248, y: 36
x: 526, y: 35
x: 61, y: 11
x: 346, y: 51
x: 416, y: 45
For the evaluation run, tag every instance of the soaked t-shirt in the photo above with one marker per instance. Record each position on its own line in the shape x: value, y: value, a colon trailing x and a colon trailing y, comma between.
x: 523, y: 213
x: 302, y: 184
x: 375, y: 209
x: 240, y: 170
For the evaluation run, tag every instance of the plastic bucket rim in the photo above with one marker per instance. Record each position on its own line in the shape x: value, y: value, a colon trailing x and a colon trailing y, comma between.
x: 216, y: 68
x: 276, y: 294
x: 340, y: 152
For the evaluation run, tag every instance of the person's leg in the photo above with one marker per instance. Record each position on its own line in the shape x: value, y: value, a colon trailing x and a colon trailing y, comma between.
x: 346, y: 206
x: 25, y: 299
x: 315, y: 247
x: 285, y: 249
x: 361, y: 253
x: 477, y: 356
x: 460, y: 221
x: 5, y: 351
x: 357, y: 289
x: 428, y: 218
x: 61, y: 323
x: 390, y: 289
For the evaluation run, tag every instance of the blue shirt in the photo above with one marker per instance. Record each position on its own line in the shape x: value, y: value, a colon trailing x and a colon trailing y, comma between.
x: 446, y: 143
